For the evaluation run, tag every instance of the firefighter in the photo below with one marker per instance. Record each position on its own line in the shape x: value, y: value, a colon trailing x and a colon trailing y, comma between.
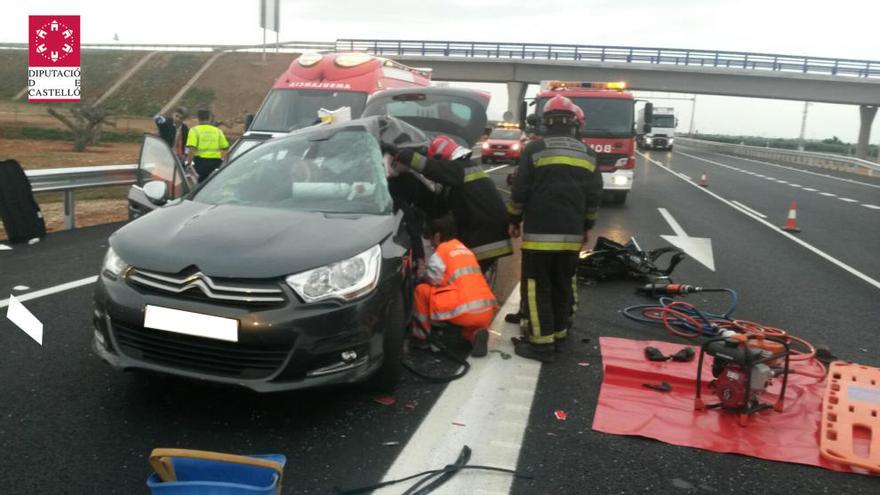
x: 470, y: 195
x: 556, y: 197
x: 204, y: 146
x: 454, y: 290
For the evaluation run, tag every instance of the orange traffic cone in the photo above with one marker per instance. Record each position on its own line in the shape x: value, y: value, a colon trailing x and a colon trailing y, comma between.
x: 704, y: 181
x: 791, y: 221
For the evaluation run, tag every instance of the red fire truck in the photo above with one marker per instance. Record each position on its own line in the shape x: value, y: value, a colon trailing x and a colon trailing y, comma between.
x: 329, y: 81
x: 609, y: 128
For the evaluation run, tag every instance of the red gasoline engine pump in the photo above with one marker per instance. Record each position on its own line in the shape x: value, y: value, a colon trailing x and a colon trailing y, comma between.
x: 744, y: 367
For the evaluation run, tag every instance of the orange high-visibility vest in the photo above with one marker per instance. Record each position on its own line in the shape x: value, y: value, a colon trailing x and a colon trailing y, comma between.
x: 463, y: 288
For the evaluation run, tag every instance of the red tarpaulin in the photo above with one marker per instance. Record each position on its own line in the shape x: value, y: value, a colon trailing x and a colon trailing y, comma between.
x: 626, y: 407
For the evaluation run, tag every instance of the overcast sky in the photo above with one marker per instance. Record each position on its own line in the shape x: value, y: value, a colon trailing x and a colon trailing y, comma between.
x: 843, y: 28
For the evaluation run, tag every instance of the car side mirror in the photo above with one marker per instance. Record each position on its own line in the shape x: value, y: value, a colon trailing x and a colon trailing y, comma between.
x: 646, y: 129
x: 248, y: 120
x: 156, y: 191
x: 649, y: 117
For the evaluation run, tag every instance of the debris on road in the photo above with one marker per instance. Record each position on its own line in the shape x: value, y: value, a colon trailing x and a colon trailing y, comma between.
x: 456, y: 423
x: 560, y: 415
x: 661, y: 387
x: 584, y: 364
x: 390, y: 444
x: 385, y: 400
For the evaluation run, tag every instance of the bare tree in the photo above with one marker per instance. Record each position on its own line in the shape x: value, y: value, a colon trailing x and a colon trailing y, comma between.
x: 85, y: 122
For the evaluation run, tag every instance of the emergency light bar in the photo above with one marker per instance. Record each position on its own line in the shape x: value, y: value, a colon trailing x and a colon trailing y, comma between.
x: 507, y: 125
x: 560, y: 85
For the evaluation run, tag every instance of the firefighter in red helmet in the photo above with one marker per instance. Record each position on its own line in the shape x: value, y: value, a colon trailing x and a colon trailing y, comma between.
x: 468, y: 193
x: 553, y: 205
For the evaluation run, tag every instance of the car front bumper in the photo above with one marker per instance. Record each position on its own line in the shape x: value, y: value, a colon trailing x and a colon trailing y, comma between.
x: 287, y: 346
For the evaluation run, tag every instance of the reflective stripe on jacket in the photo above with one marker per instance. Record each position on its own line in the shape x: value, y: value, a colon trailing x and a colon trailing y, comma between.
x: 556, y: 193
x: 473, y: 199
x: 207, y: 141
x: 460, y: 288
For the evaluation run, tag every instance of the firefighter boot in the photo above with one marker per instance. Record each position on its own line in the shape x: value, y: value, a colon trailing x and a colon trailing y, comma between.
x: 542, y: 353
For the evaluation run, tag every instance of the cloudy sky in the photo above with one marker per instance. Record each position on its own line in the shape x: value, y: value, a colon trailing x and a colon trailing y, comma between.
x: 843, y: 28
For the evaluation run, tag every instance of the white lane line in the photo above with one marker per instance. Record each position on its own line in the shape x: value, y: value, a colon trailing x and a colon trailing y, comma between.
x: 750, y: 210
x: 503, y: 190
x: 4, y: 247
x: 873, y: 207
x: 781, y: 181
x: 685, y: 176
x: 849, y: 200
x: 497, y: 168
x: 51, y: 290
x: 494, y: 418
x: 851, y: 181
x: 823, y: 254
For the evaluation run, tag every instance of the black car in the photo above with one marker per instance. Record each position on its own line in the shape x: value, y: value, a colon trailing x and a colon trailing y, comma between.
x: 288, y: 268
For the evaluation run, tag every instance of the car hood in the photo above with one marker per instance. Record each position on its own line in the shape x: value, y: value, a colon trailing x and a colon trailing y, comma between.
x: 245, y: 241
x: 502, y: 141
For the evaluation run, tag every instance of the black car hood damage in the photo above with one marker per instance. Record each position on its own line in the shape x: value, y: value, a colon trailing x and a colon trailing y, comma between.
x: 267, y: 243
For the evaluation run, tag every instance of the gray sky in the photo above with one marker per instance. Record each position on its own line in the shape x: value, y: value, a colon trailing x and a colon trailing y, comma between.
x: 843, y: 28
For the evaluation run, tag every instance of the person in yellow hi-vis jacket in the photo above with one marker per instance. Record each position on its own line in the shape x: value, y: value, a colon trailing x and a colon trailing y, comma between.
x: 205, y: 145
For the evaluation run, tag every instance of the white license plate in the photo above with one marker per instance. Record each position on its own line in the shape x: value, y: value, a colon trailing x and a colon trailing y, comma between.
x: 499, y: 153
x: 187, y: 323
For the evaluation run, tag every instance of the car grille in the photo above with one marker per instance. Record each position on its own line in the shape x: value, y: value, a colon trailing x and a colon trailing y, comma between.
x: 609, y: 159
x: 198, y: 354
x: 659, y: 141
x: 499, y: 146
x: 202, y: 287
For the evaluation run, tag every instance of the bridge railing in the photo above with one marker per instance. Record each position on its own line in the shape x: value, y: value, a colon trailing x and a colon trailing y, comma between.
x: 621, y: 54
x: 70, y: 180
x: 285, y: 47
x: 820, y: 160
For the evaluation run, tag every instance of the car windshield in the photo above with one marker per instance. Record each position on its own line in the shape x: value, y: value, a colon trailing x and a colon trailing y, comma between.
x: 505, y: 134
x: 606, y: 117
x: 663, y: 121
x: 325, y: 170
x: 286, y: 110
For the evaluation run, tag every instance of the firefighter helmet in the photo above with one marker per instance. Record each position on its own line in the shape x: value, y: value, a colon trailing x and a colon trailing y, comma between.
x: 445, y: 148
x: 559, y: 110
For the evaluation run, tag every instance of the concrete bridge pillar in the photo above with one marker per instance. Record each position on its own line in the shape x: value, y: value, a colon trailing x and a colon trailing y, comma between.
x: 866, y: 114
x: 516, y: 92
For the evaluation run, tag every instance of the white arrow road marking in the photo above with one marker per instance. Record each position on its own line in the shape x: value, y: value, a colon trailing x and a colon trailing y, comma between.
x: 25, y: 320
x: 698, y: 248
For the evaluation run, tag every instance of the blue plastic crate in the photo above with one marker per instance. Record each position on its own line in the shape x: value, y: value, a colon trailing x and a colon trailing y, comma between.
x: 212, y: 477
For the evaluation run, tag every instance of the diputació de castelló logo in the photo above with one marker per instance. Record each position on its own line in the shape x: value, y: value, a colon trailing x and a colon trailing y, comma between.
x: 53, y: 58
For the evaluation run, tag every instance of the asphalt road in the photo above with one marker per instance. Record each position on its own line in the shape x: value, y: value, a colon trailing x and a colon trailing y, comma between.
x: 70, y: 424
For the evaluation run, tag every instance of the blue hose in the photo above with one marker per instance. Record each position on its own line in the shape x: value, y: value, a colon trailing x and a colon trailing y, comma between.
x: 708, y: 321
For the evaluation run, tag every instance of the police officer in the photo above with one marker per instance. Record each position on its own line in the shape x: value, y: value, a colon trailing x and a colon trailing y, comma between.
x: 471, y: 196
x: 556, y: 196
x: 204, y: 146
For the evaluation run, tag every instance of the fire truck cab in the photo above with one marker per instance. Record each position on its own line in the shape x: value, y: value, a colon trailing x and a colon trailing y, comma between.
x: 328, y: 81
x: 609, y: 128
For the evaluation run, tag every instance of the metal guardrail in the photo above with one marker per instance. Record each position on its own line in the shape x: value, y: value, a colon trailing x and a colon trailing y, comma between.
x: 285, y: 47
x: 69, y: 180
x: 810, y: 158
x: 624, y: 54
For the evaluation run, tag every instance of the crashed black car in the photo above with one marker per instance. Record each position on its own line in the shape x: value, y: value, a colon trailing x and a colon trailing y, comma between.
x: 288, y: 268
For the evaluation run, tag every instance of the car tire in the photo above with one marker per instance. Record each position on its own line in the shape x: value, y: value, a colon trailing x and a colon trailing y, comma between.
x: 669, y: 148
x: 388, y: 374
x: 619, y: 197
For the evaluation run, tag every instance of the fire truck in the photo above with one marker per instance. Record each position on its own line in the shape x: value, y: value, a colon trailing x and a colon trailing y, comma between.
x: 609, y: 128
x: 328, y: 81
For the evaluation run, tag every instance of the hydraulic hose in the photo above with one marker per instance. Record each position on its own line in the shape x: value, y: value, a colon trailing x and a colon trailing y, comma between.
x: 686, y: 320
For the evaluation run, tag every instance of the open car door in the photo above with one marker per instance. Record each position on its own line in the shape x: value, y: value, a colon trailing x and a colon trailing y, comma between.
x: 157, y: 164
x: 458, y: 113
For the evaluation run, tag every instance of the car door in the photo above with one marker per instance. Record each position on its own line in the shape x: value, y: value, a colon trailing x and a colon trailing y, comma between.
x: 156, y: 163
x: 458, y: 113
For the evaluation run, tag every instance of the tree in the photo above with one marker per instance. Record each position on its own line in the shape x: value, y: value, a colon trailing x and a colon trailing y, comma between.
x: 85, y: 122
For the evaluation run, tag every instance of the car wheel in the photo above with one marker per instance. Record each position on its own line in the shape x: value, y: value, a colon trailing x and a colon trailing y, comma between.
x: 388, y: 375
x: 669, y: 149
x: 619, y: 197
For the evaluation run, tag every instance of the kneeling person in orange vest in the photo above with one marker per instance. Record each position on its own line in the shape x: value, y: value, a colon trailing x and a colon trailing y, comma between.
x: 454, y: 291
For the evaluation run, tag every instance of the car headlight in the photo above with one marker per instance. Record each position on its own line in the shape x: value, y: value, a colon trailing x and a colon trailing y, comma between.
x: 515, y: 147
x: 113, y: 264
x: 670, y: 141
x: 485, y: 145
x: 345, y: 280
x: 647, y: 139
x: 621, y: 162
